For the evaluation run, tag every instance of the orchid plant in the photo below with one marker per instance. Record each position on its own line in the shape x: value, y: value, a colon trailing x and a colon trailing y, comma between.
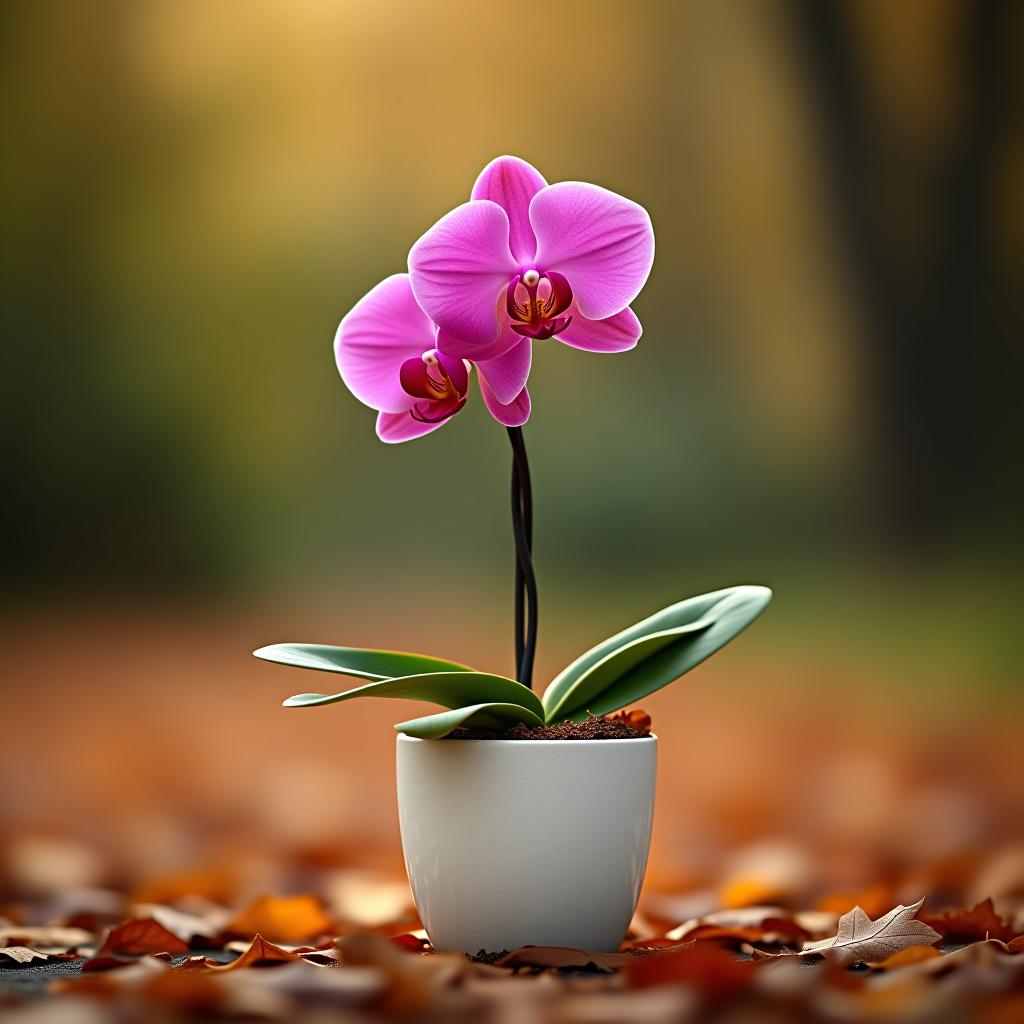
x: 521, y: 262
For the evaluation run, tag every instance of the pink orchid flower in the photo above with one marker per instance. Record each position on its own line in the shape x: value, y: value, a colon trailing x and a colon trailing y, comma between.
x: 524, y: 261
x: 386, y: 351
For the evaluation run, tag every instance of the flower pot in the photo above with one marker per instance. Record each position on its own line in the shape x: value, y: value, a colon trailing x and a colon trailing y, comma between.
x: 511, y: 843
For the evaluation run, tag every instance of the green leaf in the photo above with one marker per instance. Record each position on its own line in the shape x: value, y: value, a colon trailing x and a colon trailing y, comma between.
x: 449, y: 689
x: 497, y: 717
x: 356, y: 661
x: 653, y: 653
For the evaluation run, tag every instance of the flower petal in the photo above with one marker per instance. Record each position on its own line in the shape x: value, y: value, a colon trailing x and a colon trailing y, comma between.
x: 602, y: 242
x: 512, y: 183
x: 384, y: 329
x: 452, y: 345
x: 395, y: 427
x: 506, y: 376
x: 460, y: 268
x: 514, y: 414
x: 617, y: 333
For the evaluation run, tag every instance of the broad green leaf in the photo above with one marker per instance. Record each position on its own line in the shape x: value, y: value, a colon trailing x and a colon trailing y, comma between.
x: 480, y: 716
x: 356, y: 661
x: 449, y: 689
x: 652, y: 653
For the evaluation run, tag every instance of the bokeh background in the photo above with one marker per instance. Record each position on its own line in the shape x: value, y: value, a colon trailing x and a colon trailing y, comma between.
x: 825, y: 399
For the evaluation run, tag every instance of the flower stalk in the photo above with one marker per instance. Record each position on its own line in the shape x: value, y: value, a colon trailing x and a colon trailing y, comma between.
x: 525, y: 578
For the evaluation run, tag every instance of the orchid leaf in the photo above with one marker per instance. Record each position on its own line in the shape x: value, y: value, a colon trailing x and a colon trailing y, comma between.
x: 497, y: 717
x: 449, y: 689
x: 652, y: 653
x: 357, y: 661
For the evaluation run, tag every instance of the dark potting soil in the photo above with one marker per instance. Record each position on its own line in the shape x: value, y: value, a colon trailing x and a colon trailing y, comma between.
x: 483, y: 957
x: 590, y: 728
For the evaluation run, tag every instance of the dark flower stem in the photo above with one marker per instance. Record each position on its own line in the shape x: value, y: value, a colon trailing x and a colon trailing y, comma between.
x: 526, y: 582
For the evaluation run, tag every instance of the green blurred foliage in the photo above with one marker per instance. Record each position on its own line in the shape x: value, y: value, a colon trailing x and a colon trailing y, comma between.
x: 195, y: 193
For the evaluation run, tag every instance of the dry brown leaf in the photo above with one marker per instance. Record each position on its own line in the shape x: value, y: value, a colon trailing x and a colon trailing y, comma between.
x: 1016, y: 945
x: 715, y: 973
x: 260, y: 953
x: 750, y: 924
x: 98, y: 964
x: 195, y: 994
x: 861, y: 939
x: 989, y: 957
x: 413, y: 980
x: 47, y: 936
x: 141, y: 935
x: 580, y: 959
x: 980, y: 922
x: 22, y: 955
x: 906, y: 957
x: 324, y: 957
x: 410, y: 943
x: 186, y: 926
x: 282, y: 919
x: 635, y: 717
x: 563, y: 956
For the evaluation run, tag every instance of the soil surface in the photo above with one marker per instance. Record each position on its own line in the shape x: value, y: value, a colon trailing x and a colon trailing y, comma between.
x: 590, y: 728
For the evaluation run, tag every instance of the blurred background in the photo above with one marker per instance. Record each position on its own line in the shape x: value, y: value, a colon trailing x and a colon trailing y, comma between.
x: 825, y: 400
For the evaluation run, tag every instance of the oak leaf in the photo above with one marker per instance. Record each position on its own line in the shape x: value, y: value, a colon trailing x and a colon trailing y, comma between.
x: 22, y: 955
x: 141, y: 935
x: 282, y: 919
x: 980, y: 922
x: 861, y: 939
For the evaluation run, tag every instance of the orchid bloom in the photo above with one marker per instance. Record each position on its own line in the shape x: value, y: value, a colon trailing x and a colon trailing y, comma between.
x: 387, y: 354
x: 525, y: 261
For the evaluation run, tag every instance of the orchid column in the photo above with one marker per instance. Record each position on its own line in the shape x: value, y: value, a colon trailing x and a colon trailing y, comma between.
x: 521, y: 262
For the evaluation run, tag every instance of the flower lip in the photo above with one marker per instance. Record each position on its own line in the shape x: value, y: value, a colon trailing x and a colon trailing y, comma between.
x: 535, y: 301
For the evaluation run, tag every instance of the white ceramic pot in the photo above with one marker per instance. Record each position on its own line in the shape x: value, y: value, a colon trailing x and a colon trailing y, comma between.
x: 513, y: 843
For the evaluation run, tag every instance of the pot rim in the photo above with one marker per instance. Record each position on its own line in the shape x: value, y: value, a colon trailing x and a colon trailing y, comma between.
x: 652, y: 738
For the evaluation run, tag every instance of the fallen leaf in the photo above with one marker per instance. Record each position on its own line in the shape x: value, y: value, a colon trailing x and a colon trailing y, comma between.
x: 181, y: 923
x: 410, y: 943
x: 323, y: 957
x: 98, y: 964
x: 141, y: 935
x: 21, y: 955
x: 49, y: 936
x: 712, y: 971
x: 260, y: 953
x: 564, y: 957
x: 751, y: 924
x: 195, y: 994
x: 282, y: 919
x: 990, y: 957
x: 637, y: 718
x: 906, y: 957
x: 413, y: 981
x: 559, y: 957
x: 1016, y: 945
x: 980, y: 922
x: 861, y: 939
